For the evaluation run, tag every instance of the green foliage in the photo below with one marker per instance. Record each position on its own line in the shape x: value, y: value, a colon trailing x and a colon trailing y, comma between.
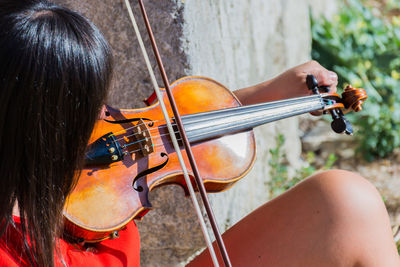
x: 280, y: 180
x: 278, y: 168
x: 398, y: 247
x: 365, y: 51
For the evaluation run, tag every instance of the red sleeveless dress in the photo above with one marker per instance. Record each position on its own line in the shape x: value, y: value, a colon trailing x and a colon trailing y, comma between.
x: 123, y: 251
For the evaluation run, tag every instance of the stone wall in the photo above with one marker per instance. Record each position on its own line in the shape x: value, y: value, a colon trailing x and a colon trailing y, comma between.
x: 237, y: 42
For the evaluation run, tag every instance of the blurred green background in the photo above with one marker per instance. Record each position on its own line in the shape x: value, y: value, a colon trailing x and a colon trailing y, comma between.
x: 362, y: 44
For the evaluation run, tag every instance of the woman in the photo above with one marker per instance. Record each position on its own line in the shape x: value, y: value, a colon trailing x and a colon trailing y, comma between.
x: 55, y: 71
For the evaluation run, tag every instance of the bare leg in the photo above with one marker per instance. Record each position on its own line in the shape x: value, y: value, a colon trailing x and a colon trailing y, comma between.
x: 334, y: 218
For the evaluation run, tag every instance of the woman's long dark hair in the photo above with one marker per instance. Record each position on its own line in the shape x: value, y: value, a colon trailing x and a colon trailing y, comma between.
x: 55, y: 69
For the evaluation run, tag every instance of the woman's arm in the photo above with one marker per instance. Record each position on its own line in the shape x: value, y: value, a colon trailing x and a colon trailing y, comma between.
x: 291, y: 83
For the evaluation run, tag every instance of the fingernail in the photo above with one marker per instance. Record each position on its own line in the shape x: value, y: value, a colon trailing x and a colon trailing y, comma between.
x: 333, y: 75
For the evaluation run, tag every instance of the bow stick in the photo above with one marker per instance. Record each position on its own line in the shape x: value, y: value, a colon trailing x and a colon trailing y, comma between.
x: 185, y: 140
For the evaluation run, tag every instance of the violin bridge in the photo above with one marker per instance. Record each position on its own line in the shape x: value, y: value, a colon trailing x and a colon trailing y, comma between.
x: 143, y: 137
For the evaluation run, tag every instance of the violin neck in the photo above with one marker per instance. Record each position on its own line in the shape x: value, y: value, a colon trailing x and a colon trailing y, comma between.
x: 212, y: 124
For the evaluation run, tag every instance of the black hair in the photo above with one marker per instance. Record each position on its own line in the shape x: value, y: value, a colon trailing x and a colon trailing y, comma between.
x: 55, y: 69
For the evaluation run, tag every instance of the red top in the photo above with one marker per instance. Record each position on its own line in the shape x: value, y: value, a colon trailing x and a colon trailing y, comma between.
x: 123, y: 251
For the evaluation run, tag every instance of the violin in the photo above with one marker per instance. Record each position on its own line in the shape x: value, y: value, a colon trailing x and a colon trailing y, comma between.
x: 130, y: 152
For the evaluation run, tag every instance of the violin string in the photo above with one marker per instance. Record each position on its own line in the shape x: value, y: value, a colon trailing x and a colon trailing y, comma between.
x: 268, y: 105
x: 135, y: 133
x: 144, y: 140
x: 132, y: 127
x: 208, y: 132
x: 262, y: 117
x: 170, y: 129
x: 137, y: 150
x: 244, y: 111
x: 162, y: 144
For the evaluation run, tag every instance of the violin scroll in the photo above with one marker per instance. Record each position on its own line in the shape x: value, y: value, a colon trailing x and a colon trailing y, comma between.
x: 354, y: 98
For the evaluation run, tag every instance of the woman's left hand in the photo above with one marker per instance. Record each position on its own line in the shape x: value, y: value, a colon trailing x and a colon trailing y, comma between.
x: 291, y: 83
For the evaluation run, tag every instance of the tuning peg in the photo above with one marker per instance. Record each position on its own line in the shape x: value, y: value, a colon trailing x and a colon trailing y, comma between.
x: 349, y: 127
x: 324, y: 89
x: 340, y: 124
x: 312, y: 83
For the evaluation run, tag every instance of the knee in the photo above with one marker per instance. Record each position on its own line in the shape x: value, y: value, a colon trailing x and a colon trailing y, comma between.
x: 345, y: 193
x: 354, y: 218
x: 347, y: 217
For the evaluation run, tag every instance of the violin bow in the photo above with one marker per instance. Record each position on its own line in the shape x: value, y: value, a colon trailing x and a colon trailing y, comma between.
x: 189, y: 153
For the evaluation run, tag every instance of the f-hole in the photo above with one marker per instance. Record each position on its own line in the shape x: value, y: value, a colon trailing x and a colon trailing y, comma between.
x: 149, y: 171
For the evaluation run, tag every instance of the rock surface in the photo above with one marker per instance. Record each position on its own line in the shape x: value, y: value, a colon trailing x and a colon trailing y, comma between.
x: 131, y: 79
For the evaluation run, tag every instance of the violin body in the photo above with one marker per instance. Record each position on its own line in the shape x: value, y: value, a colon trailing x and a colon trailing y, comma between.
x: 108, y: 196
x: 130, y: 153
